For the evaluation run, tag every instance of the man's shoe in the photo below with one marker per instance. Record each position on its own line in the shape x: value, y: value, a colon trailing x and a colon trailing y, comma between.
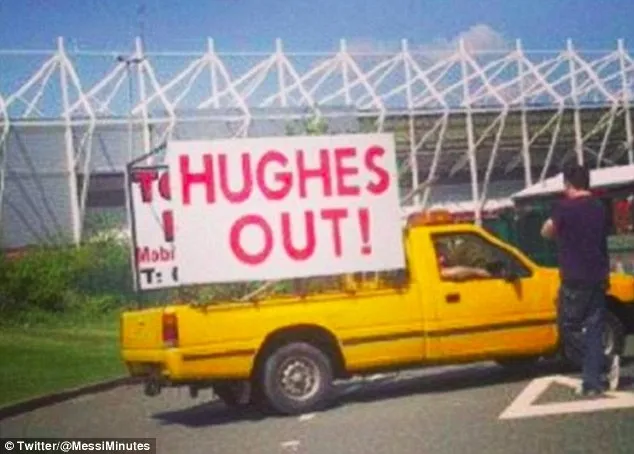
x: 614, y: 373
x: 589, y: 393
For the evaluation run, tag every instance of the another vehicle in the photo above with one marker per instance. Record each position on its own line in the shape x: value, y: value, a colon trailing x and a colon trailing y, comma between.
x: 286, y: 351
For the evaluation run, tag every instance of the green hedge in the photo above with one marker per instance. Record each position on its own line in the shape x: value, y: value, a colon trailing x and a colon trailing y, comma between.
x: 94, y: 277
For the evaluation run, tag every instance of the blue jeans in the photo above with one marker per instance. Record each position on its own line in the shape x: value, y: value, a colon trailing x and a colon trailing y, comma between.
x: 581, y: 324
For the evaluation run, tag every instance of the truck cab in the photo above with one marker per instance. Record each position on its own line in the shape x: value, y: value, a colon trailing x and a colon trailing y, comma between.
x: 286, y: 351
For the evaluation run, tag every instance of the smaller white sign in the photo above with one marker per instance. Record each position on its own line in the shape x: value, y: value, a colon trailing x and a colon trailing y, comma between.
x: 284, y: 207
x: 523, y: 406
x: 153, y: 227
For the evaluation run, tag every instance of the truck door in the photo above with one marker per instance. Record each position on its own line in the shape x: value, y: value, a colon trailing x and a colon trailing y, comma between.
x: 486, y: 300
x: 386, y: 325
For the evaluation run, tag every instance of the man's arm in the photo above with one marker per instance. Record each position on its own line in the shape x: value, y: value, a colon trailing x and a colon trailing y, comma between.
x: 548, y: 229
x: 460, y: 273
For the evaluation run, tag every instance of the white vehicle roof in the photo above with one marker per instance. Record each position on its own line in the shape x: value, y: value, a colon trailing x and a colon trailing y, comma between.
x: 603, y: 177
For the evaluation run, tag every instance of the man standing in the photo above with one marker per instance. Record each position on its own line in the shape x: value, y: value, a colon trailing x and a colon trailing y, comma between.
x: 579, y: 223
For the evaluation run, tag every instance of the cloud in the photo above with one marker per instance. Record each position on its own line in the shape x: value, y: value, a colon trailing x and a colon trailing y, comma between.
x: 478, y: 38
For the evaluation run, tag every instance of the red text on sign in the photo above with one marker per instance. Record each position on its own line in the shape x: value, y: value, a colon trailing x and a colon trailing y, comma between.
x: 296, y: 249
x: 154, y: 255
x: 146, y: 181
x: 332, y: 174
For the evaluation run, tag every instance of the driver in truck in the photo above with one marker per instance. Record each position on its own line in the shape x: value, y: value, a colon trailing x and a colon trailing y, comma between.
x: 452, y: 267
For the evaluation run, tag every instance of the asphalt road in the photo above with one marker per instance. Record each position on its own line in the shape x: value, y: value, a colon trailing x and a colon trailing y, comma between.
x: 440, y: 410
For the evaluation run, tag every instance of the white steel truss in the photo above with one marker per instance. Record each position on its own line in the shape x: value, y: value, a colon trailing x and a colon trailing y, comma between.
x: 453, y: 111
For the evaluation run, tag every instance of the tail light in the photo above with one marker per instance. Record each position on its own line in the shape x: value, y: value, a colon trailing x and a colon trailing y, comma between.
x: 170, y: 330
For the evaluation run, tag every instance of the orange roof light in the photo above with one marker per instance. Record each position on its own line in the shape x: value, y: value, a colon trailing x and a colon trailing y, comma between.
x: 431, y: 217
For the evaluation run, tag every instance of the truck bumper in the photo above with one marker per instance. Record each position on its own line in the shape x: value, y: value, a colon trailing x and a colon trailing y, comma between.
x: 159, y: 369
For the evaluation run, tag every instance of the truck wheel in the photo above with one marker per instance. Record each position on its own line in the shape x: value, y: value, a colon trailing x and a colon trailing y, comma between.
x: 613, y: 335
x: 234, y: 394
x: 297, y: 378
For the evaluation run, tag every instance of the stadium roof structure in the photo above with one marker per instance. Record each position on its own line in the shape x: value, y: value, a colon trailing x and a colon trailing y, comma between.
x: 458, y: 115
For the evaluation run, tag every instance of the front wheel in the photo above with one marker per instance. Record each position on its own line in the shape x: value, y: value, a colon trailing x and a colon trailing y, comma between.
x: 613, y: 341
x: 613, y: 335
x: 297, y: 378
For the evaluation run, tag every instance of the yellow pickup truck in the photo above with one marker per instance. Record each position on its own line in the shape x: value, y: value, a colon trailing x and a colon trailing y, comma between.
x: 287, y: 351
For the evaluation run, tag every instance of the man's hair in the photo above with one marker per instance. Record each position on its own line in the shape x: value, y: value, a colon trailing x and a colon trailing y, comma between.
x: 577, y: 176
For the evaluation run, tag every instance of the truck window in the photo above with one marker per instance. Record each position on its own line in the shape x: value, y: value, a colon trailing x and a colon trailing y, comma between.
x: 466, y: 256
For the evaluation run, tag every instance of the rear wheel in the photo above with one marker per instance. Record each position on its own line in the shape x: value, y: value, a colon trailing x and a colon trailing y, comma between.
x: 297, y: 378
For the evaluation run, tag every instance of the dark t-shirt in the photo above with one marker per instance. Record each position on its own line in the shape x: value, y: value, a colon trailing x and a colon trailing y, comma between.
x: 581, y: 232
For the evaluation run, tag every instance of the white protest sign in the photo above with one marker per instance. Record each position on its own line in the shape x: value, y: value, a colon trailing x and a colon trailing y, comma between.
x: 153, y: 229
x: 284, y: 207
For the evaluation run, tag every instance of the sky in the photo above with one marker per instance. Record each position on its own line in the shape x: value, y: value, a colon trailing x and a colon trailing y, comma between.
x: 314, y: 25
x: 303, y: 25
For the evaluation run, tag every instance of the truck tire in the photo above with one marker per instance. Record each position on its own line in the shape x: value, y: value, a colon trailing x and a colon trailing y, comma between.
x: 613, y: 341
x: 614, y: 335
x: 234, y: 394
x: 297, y: 378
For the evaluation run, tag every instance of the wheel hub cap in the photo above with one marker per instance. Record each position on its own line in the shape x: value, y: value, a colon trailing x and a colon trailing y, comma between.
x: 300, y: 378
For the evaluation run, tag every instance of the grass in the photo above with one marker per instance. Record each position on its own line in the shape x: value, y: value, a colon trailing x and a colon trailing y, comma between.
x: 57, y: 355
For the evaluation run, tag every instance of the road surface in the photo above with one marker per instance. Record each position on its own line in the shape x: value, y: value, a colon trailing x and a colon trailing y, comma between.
x: 475, y: 409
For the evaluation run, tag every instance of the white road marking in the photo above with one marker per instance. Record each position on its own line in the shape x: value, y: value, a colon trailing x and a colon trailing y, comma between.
x: 291, y: 444
x: 523, y: 407
x: 377, y: 377
x: 307, y: 417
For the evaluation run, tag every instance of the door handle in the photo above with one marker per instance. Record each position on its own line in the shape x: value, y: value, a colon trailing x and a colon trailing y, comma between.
x: 452, y: 297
